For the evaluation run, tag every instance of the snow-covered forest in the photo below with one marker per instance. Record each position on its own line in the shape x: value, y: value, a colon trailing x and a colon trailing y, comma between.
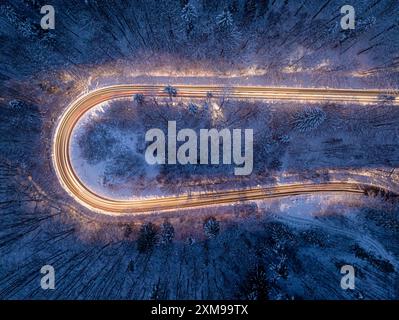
x: 289, y: 248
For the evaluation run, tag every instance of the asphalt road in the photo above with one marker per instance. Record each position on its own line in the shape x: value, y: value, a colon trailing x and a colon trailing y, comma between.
x: 74, y: 186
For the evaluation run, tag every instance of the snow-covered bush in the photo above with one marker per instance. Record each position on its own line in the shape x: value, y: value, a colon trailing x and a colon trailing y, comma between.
x: 192, y: 108
x: 16, y: 105
x: 139, y: 98
x: 171, y: 91
x: 211, y: 227
x: 309, y: 119
x: 285, y: 138
x: 190, y: 241
x: 147, y: 237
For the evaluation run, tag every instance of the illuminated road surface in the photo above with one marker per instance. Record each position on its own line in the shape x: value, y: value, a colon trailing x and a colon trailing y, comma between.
x: 74, y: 186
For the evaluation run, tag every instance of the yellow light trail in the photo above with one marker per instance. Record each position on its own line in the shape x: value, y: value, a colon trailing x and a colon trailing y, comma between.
x: 74, y: 186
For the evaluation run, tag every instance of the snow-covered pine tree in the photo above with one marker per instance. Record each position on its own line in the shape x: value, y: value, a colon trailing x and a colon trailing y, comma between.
x: 189, y: 14
x: 167, y: 232
x: 255, y: 285
x: 147, y: 237
x: 225, y: 20
x: 211, y: 227
x: 309, y: 119
x: 227, y: 33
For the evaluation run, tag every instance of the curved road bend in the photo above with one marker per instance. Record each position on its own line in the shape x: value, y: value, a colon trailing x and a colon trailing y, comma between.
x: 74, y: 186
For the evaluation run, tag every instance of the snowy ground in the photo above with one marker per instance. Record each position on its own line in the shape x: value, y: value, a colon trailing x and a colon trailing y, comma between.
x: 108, y: 145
